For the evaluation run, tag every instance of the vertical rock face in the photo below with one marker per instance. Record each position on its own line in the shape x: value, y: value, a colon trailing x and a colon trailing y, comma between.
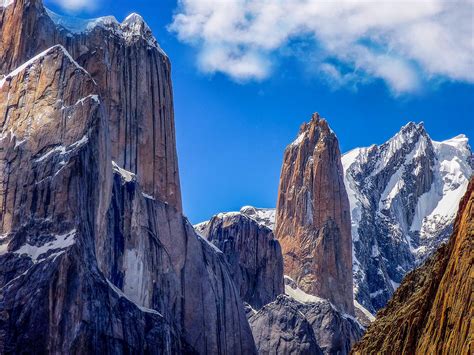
x: 294, y: 319
x: 95, y: 257
x: 404, y: 196
x: 281, y: 328
x: 312, y: 216
x: 133, y: 76
x: 153, y: 255
x: 430, y: 312
x: 254, y: 255
x: 52, y: 157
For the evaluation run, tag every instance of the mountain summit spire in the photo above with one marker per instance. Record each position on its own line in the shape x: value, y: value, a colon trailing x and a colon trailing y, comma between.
x: 313, y: 220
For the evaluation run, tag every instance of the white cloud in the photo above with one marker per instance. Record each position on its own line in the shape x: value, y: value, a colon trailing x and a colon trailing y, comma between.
x: 401, y: 42
x: 77, y: 5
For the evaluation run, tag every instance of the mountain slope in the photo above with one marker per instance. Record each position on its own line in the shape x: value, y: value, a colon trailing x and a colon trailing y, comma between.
x: 432, y: 310
x: 403, y: 196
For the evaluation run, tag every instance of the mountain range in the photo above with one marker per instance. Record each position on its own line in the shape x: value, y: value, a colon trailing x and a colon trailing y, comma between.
x: 97, y: 256
x: 404, y: 196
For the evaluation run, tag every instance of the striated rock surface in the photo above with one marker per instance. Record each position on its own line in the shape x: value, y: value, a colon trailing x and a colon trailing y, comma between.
x: 280, y: 328
x: 133, y: 76
x: 404, y: 196
x: 152, y: 253
x: 253, y: 253
x: 52, y: 151
x: 312, y: 216
x: 431, y: 311
x: 95, y: 257
x: 292, y: 321
x: 336, y: 332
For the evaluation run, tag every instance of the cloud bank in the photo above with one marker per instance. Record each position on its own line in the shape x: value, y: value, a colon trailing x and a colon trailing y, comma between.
x: 77, y: 5
x: 404, y: 43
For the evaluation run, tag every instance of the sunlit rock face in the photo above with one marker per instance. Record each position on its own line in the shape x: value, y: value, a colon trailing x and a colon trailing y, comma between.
x: 312, y: 216
x: 133, y: 76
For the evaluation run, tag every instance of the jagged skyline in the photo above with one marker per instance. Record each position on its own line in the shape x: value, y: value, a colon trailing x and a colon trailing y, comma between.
x: 231, y: 135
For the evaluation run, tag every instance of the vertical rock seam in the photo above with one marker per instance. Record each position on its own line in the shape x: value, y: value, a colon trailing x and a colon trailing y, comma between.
x: 313, y: 219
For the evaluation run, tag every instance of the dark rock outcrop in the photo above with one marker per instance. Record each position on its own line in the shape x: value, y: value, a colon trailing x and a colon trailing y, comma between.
x: 253, y: 253
x: 153, y: 254
x: 431, y: 311
x: 280, y: 328
x: 312, y: 216
x: 292, y: 325
x: 335, y: 332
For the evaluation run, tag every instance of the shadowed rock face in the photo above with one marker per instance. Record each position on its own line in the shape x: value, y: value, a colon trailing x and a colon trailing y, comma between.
x: 153, y: 254
x: 280, y: 328
x: 94, y: 257
x: 312, y: 218
x: 291, y: 325
x: 430, y: 312
x: 254, y: 255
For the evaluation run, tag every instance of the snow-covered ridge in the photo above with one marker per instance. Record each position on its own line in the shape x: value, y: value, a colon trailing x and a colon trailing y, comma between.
x: 121, y: 294
x: 263, y: 216
x: 63, y: 150
x: 292, y: 290
x: 30, y: 63
x: 403, y: 196
x: 364, y: 311
x: 133, y: 26
x: 298, y: 139
x: 439, y: 205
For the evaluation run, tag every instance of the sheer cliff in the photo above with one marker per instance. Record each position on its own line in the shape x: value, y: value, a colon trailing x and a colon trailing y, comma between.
x: 313, y: 218
x: 94, y: 250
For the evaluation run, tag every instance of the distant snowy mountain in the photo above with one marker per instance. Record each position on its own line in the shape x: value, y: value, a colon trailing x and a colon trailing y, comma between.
x: 404, y: 196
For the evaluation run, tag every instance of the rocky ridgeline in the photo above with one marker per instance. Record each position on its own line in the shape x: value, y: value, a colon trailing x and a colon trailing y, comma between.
x: 95, y: 254
x: 432, y: 310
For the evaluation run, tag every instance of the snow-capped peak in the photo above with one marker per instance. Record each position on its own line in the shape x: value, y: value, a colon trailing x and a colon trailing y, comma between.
x: 133, y: 27
x: 263, y: 216
x: 76, y: 25
x: 403, y: 196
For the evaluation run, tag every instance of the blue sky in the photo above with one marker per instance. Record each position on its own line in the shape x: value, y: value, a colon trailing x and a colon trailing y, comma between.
x: 241, y: 91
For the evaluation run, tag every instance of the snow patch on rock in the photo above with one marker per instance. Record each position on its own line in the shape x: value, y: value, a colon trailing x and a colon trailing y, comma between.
x: 126, y: 175
x: 292, y: 290
x: 58, y: 244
